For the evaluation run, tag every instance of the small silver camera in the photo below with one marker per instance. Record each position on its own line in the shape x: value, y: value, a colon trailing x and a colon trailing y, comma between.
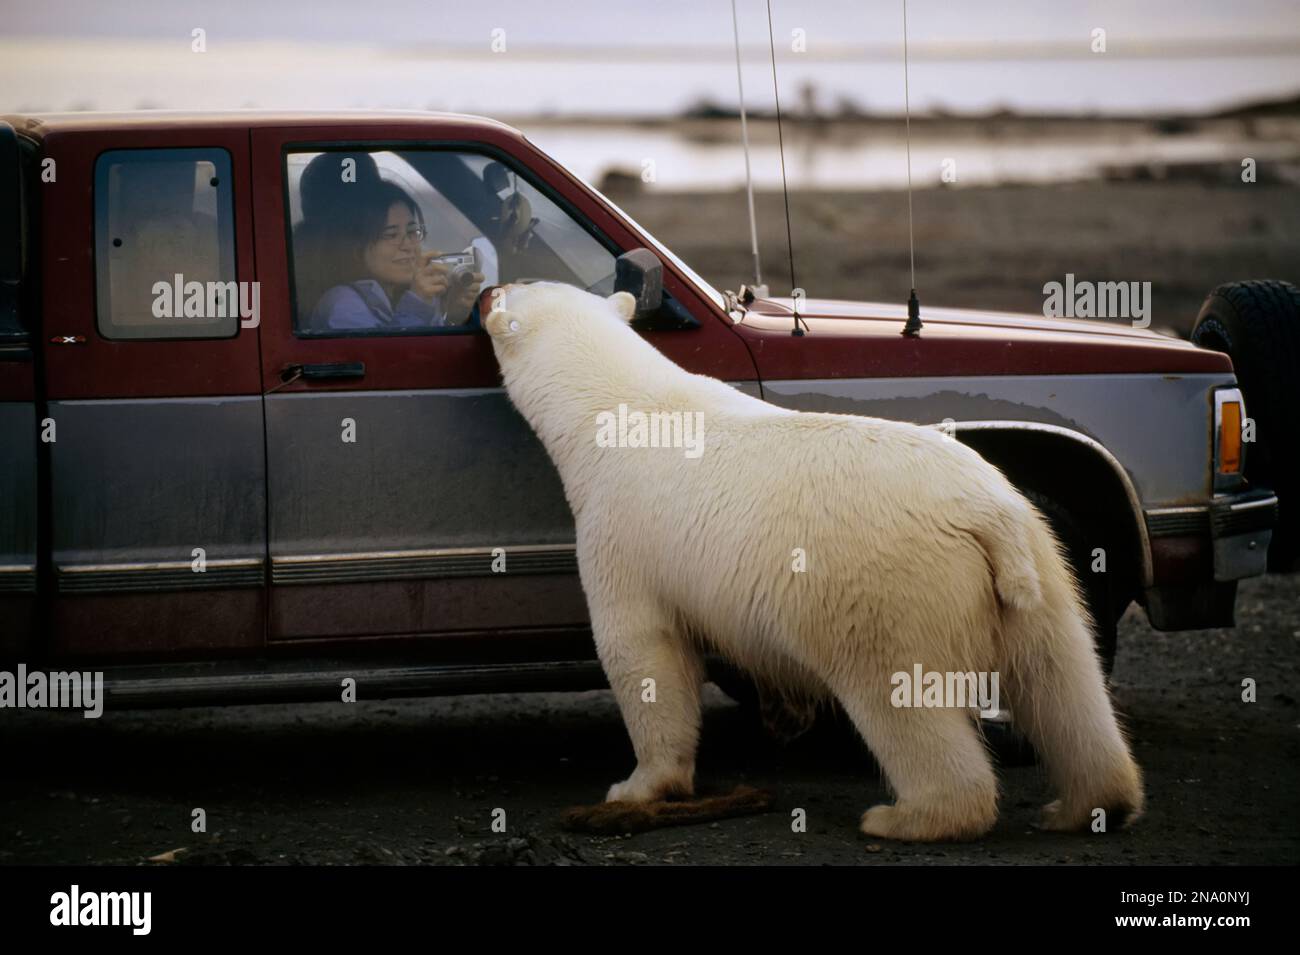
x: 463, y: 265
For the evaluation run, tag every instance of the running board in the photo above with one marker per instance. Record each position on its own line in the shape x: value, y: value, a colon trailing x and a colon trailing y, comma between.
x: 237, y: 682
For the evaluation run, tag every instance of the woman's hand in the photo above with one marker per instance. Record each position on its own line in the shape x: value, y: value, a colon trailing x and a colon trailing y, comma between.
x: 465, y: 295
x: 432, y: 279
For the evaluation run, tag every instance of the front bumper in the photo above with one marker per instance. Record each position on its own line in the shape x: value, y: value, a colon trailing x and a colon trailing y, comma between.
x: 1198, y: 554
x: 1241, y: 526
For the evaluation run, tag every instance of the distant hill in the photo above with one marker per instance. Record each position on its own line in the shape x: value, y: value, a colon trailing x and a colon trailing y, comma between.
x: 1277, y: 107
x: 848, y: 112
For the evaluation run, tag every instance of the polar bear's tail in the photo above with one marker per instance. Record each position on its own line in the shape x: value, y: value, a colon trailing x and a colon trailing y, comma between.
x: 1015, y: 565
x: 1057, y: 692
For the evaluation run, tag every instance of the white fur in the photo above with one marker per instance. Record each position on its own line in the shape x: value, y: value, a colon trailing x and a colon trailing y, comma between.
x: 918, y: 551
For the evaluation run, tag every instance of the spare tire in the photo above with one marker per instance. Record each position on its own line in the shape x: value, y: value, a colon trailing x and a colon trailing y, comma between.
x: 1257, y: 324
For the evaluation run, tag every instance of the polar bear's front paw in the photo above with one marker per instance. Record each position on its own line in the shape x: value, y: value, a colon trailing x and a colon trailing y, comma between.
x: 626, y: 791
x: 644, y: 787
x: 881, y: 821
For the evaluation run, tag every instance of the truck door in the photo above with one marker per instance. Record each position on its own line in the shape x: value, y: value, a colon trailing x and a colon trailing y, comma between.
x: 407, y: 496
x: 158, y: 476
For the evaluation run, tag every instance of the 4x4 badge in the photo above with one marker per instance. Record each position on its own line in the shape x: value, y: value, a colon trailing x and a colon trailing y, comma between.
x: 68, y: 340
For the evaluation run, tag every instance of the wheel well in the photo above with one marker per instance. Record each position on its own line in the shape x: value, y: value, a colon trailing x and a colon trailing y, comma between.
x: 1079, y: 479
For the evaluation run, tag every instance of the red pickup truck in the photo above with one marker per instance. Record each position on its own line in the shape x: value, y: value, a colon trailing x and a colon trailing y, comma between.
x: 246, y: 452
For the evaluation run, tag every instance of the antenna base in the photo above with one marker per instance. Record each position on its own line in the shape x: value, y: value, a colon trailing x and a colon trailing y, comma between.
x: 913, y: 327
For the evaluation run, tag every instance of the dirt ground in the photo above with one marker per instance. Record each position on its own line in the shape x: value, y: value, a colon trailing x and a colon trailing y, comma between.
x: 993, y: 247
x: 417, y: 781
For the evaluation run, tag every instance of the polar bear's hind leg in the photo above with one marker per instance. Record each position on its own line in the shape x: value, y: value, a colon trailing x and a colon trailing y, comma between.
x: 935, y: 763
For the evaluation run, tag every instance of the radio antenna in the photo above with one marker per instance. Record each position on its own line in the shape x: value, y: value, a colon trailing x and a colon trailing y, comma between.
x: 913, y: 327
x: 759, y: 288
x: 785, y: 190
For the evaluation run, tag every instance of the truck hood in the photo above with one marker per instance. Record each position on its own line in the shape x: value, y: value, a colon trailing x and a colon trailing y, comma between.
x: 864, y: 338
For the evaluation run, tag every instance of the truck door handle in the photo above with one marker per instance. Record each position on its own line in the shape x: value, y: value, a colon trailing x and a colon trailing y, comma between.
x: 325, y: 371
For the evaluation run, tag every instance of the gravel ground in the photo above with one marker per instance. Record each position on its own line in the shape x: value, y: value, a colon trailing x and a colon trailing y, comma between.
x: 417, y: 781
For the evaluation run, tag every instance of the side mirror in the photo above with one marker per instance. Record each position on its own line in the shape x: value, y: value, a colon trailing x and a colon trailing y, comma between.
x: 640, y: 273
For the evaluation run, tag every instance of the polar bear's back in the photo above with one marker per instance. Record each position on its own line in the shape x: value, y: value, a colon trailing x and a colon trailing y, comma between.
x: 793, y: 528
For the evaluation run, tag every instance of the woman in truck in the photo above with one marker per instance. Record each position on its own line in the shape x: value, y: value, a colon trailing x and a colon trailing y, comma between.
x: 399, y: 284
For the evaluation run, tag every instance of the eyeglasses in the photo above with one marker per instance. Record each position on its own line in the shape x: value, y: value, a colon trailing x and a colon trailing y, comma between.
x: 415, y: 233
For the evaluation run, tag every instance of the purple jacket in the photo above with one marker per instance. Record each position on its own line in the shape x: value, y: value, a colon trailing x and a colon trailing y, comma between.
x: 363, y: 304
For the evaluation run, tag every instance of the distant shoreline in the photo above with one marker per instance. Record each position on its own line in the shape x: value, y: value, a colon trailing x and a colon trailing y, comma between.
x: 706, y: 112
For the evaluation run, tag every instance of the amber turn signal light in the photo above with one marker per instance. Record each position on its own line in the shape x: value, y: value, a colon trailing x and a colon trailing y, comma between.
x: 1230, y: 437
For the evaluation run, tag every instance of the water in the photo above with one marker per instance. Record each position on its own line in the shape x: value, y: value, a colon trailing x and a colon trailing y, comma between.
x: 874, y: 157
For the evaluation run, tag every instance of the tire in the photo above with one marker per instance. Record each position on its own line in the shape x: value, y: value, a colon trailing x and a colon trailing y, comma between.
x: 735, y: 683
x: 782, y: 723
x: 1257, y: 324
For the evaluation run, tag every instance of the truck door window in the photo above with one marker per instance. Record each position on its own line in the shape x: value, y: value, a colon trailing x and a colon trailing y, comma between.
x: 364, y: 225
x: 165, y: 244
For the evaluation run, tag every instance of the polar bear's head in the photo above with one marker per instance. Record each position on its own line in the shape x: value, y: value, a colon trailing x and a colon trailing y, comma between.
x: 555, y: 343
x: 542, y: 321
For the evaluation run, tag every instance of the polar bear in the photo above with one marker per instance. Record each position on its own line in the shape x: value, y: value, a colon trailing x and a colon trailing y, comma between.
x: 825, y: 553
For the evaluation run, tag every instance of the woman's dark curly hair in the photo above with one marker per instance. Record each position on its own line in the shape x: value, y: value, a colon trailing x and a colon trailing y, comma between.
x: 330, y: 244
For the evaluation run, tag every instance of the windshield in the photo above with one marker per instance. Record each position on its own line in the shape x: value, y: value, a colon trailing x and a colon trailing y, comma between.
x: 667, y: 253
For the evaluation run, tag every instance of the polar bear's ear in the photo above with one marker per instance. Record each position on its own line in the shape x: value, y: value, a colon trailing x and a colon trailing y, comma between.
x: 502, y: 324
x: 624, y: 304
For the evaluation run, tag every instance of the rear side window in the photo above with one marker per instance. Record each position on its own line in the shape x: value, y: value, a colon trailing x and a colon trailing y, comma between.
x: 14, y: 238
x: 165, y: 244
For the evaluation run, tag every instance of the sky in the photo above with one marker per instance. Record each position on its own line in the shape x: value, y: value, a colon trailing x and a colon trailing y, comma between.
x: 615, y: 58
